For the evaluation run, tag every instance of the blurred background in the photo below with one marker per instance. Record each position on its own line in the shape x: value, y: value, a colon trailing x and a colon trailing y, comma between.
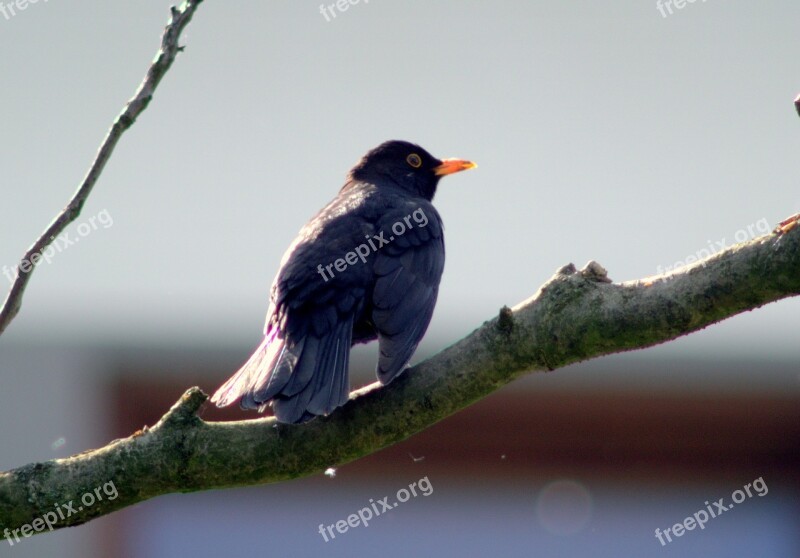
x: 619, y: 132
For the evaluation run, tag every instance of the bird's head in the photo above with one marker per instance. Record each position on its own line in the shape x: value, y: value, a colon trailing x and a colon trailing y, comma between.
x: 400, y: 163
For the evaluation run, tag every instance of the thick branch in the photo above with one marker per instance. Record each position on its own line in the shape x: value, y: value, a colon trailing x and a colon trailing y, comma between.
x: 166, y: 55
x: 576, y: 315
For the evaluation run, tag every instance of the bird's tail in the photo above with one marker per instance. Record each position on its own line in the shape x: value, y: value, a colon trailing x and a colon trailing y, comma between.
x: 260, y: 362
x: 300, y: 380
x: 321, y: 381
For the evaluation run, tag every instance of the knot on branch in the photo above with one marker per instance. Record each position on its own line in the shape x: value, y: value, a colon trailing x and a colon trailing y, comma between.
x: 568, y: 269
x: 592, y: 271
x: 185, y: 409
x: 505, y: 321
x: 595, y: 272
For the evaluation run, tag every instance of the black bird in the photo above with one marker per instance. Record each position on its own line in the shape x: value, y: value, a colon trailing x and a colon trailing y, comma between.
x: 366, y: 267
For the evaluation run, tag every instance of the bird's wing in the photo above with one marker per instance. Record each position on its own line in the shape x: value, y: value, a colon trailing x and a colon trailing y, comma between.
x: 302, y: 364
x: 407, y: 271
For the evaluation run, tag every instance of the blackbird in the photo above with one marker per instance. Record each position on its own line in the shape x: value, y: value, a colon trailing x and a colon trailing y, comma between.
x: 366, y: 267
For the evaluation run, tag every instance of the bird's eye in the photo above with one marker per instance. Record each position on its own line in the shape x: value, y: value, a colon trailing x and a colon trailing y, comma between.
x: 414, y: 160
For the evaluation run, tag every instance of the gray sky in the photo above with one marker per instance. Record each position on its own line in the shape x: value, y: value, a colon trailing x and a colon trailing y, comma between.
x: 603, y: 131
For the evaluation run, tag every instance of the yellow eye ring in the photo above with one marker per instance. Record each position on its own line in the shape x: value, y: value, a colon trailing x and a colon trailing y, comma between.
x: 414, y: 160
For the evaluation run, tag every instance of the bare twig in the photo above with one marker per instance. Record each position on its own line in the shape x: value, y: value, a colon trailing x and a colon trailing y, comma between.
x: 577, y: 315
x: 179, y: 19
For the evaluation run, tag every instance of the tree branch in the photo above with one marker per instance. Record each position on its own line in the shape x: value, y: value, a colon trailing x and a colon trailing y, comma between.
x: 166, y: 55
x: 576, y: 315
